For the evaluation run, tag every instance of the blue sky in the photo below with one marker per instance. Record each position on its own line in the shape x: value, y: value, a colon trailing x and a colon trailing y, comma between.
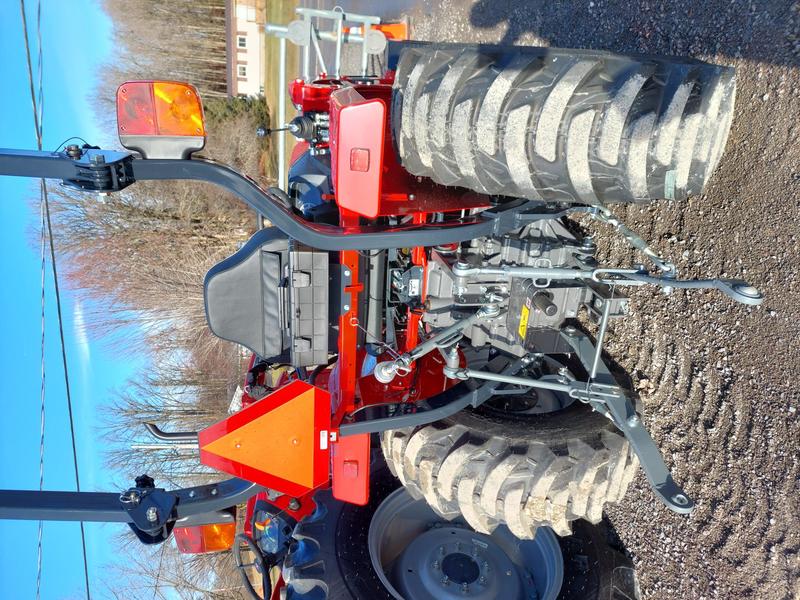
x: 77, y: 39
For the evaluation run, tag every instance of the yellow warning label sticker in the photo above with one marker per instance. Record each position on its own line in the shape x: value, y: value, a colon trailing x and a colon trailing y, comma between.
x: 523, y: 321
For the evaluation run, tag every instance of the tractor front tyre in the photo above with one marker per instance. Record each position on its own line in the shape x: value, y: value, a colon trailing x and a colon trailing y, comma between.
x: 334, y: 555
x: 523, y: 469
x: 330, y: 559
x: 560, y: 125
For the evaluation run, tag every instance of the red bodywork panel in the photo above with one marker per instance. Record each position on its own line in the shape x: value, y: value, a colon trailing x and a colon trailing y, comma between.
x: 357, y: 151
x: 356, y: 123
x: 311, y: 97
x: 350, y: 469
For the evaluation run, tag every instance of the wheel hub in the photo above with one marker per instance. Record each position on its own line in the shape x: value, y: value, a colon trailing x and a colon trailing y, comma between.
x: 460, y: 568
x: 416, y: 554
x: 454, y: 562
x: 532, y: 401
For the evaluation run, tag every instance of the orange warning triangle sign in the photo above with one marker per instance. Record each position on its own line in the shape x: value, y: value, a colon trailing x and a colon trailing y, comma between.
x: 280, y: 442
x: 274, y: 443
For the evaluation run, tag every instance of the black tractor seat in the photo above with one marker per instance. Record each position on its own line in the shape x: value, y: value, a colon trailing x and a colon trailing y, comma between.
x: 272, y: 298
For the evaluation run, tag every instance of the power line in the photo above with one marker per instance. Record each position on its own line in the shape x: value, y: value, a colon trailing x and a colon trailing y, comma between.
x: 42, y: 224
x: 36, y: 120
x: 38, y: 107
x: 158, y: 573
x: 66, y: 379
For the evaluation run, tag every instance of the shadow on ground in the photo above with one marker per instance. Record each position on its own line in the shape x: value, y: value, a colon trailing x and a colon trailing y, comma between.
x: 760, y: 31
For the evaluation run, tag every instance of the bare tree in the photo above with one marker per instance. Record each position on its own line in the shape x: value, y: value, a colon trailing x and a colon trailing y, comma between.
x: 141, y: 255
x: 163, y: 572
x: 184, y: 392
x: 184, y: 39
x: 144, y: 252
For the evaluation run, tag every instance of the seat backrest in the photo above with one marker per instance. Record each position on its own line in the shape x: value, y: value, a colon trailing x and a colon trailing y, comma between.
x: 245, y: 295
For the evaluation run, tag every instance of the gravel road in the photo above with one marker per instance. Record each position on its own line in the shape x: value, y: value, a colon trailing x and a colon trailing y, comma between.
x: 719, y: 381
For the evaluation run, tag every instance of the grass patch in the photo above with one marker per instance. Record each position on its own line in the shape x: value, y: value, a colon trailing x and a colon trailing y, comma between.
x: 279, y: 12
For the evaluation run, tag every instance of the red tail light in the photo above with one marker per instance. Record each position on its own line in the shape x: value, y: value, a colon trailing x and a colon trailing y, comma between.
x: 160, y: 119
x: 201, y: 539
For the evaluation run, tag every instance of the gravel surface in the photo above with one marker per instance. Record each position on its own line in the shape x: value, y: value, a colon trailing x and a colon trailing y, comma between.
x: 718, y: 380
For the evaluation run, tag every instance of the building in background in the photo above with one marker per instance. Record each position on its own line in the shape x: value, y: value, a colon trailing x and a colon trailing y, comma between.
x: 245, y: 43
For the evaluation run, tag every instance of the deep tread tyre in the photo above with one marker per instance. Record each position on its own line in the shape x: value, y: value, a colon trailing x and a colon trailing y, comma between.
x: 330, y: 559
x: 596, y: 566
x: 562, y: 125
x: 547, y: 469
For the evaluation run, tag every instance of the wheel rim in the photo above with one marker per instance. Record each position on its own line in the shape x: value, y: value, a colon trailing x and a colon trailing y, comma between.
x: 533, y: 401
x: 417, y: 554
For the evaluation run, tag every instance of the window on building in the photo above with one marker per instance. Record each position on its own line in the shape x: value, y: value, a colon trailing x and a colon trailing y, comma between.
x: 246, y: 13
x: 242, y: 70
x: 242, y: 41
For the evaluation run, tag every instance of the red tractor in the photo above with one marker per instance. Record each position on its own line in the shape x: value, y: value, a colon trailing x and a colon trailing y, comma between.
x: 424, y: 316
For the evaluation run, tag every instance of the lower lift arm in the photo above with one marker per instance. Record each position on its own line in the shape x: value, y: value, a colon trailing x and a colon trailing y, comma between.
x: 603, y: 394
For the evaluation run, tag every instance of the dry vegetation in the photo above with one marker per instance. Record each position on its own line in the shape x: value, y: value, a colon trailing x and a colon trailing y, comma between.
x: 181, y: 39
x: 140, y: 256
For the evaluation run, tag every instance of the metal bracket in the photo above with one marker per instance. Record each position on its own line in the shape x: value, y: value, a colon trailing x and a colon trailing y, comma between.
x: 609, y: 400
x: 343, y: 279
x: 376, y: 418
x: 92, y: 171
x: 151, y: 512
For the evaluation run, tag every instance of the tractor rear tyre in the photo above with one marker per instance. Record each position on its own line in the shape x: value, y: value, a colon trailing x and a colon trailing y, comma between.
x: 503, y: 464
x: 560, y: 125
